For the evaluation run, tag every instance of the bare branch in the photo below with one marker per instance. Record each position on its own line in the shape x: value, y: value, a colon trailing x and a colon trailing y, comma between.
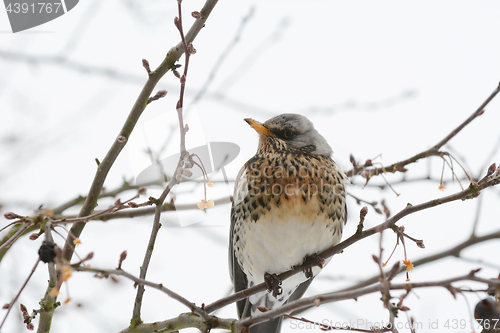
x: 48, y: 303
x: 201, y: 92
x: 473, y: 116
x: 11, y: 304
x: 102, y: 171
x: 354, y: 294
x: 136, y: 314
x: 452, y: 252
x: 143, y: 282
x: 188, y: 50
x: 183, y: 321
x: 104, y: 167
x: 166, y: 207
x: 237, y: 326
x: 13, y: 235
x: 434, y: 151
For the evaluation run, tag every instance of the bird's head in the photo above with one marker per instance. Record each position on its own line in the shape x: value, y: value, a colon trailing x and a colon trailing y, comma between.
x: 289, y: 132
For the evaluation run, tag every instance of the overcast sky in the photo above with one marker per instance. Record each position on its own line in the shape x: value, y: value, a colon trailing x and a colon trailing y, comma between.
x: 381, y: 80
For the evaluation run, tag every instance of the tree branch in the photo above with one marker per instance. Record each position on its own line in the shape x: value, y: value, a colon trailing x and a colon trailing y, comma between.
x: 184, y: 320
x: 49, y: 303
x: 13, y: 302
x: 136, y: 314
x: 452, y: 252
x: 104, y: 194
x: 143, y: 282
x: 102, y: 171
x: 191, y: 320
x: 434, y: 151
x: 140, y: 104
x: 354, y: 294
x: 473, y: 116
x: 166, y: 207
x: 187, y: 50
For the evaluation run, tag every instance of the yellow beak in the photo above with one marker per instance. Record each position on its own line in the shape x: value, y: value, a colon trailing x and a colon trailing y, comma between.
x: 258, y: 127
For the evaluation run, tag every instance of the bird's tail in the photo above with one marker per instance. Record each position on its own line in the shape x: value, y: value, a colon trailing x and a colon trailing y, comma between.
x: 272, y: 326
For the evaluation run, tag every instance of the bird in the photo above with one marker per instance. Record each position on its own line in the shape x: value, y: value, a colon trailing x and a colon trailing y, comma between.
x: 289, y: 204
x: 487, y: 313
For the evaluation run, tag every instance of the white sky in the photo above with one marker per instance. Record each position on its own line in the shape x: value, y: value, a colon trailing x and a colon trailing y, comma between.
x: 375, y: 77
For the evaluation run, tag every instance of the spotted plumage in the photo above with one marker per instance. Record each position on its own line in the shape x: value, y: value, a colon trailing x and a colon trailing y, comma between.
x: 289, y: 203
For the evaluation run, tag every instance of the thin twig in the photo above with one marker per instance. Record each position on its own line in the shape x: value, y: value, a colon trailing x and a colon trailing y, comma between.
x: 143, y: 282
x: 402, y: 180
x: 180, y: 102
x: 452, y: 252
x: 359, y: 201
x: 104, y: 194
x: 224, y: 55
x: 10, y: 224
x: 136, y: 314
x: 117, y: 206
x: 16, y: 235
x: 434, y: 151
x: 490, y: 156
x: 11, y: 304
x: 478, y: 214
x: 166, y: 207
x: 473, y: 116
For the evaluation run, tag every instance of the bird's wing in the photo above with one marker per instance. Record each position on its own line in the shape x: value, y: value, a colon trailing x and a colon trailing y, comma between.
x: 238, y: 277
x: 346, y: 181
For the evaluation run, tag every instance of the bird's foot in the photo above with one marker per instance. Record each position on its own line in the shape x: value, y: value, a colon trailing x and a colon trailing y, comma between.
x: 309, y: 262
x: 273, y: 284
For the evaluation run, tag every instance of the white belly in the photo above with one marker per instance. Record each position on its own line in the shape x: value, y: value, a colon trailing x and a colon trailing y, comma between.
x: 275, y: 243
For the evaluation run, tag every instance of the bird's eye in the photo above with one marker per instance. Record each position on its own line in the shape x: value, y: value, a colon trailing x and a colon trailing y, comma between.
x: 289, y: 134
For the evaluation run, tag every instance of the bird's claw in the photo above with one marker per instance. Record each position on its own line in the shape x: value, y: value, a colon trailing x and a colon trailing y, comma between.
x: 273, y: 284
x: 309, y: 262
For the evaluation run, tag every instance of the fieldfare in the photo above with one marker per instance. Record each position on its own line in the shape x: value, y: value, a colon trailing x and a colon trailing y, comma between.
x: 288, y: 205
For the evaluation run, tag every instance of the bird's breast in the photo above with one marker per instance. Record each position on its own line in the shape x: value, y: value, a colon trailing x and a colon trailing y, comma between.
x: 285, y: 209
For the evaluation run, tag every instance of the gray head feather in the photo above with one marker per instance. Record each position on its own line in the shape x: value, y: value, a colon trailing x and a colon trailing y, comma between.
x: 304, y: 132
